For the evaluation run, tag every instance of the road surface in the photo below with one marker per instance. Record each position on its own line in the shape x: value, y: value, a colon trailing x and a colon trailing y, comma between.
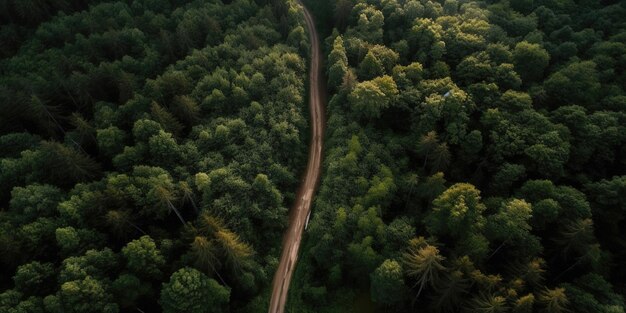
x: 304, y: 197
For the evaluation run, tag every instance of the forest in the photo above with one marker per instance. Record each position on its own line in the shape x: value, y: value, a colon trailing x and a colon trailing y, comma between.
x: 474, y: 156
x: 149, y: 151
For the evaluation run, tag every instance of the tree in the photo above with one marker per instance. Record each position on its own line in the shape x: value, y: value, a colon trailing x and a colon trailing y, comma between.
x: 349, y: 80
x: 65, y: 166
x: 257, y: 86
x: 592, y: 293
x: 29, y: 305
x: 236, y: 251
x: 370, y: 67
x: 119, y: 222
x: 387, y: 57
x: 398, y: 233
x: 426, y: 145
x: 128, y: 288
x: 214, y: 238
x: 170, y: 84
x: 205, y: 253
x: 487, y: 303
x: 431, y: 150
x: 186, y: 109
x: 94, y: 263
x: 432, y: 187
x: 576, y: 236
x: 67, y: 239
x: 449, y: 293
x: 163, y: 149
x: 34, y: 278
x: 457, y: 212
x: 425, y: 38
x: 338, y: 52
x: 188, y: 195
x: 553, y: 300
x: 511, y: 225
x: 166, y: 119
x: 298, y: 38
x: 336, y: 73
x: 165, y: 194
x: 361, y: 257
x: 83, y: 129
x: 45, y: 116
x: 514, y: 101
x: 37, y: 238
x: 144, y: 129
x: 577, y: 83
x: 549, y: 153
x: 422, y: 262
x: 414, y: 72
x: 9, y: 299
x: 189, y: 290
x: 387, y: 286
x: 12, y: 144
x: 370, y: 24
x: 530, y: 61
x: 143, y: 258
x: 110, y: 140
x: 382, y: 189
x: 87, y: 295
x: 524, y: 304
x: 35, y: 201
x: 370, y: 98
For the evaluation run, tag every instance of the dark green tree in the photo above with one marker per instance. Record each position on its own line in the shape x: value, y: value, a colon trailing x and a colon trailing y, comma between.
x: 191, y: 291
x: 387, y: 286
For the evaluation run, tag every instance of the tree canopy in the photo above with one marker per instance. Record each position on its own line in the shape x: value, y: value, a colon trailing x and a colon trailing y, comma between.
x: 476, y: 147
x: 124, y: 127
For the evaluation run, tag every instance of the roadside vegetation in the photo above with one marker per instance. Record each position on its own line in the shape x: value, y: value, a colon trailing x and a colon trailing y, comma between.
x: 149, y: 151
x: 475, y: 159
x: 475, y: 155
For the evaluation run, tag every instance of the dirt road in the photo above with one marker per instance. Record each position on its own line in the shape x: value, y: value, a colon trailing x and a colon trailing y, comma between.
x: 302, y: 206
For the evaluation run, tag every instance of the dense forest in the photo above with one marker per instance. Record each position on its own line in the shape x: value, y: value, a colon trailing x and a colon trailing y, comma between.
x: 149, y: 151
x: 475, y: 158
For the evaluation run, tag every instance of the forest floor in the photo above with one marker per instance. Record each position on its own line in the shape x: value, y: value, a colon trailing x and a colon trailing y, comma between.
x: 302, y: 206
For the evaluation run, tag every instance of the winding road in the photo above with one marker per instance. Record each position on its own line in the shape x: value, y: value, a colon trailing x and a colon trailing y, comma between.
x: 302, y: 205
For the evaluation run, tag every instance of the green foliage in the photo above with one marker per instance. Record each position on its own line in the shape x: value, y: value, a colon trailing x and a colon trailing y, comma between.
x: 67, y: 239
x: 576, y: 83
x: 553, y: 300
x: 128, y: 288
x: 143, y: 258
x: 106, y: 115
x: 94, y: 263
x: 422, y: 262
x: 387, y: 284
x: 63, y: 164
x: 530, y: 61
x: 142, y: 138
x: 35, y: 201
x: 370, y: 67
x: 34, y: 278
x: 457, y: 212
x: 188, y: 290
x: 371, y: 98
x: 12, y: 144
x: 83, y: 295
x: 110, y: 140
x: 500, y: 147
